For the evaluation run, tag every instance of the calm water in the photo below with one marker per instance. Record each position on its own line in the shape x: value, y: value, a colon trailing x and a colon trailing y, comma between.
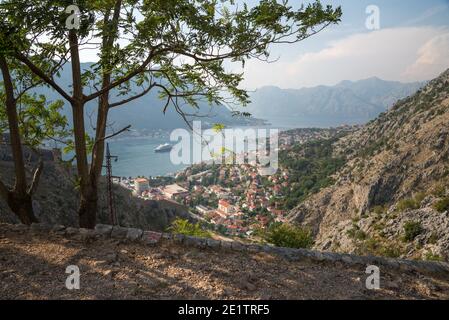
x: 136, y: 156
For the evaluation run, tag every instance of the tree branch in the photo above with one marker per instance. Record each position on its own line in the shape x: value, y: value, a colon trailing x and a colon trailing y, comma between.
x: 38, y: 72
x: 36, y: 177
x: 144, y: 92
x: 111, y: 135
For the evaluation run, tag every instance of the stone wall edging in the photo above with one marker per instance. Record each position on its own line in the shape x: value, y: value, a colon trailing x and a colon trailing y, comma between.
x: 153, y: 238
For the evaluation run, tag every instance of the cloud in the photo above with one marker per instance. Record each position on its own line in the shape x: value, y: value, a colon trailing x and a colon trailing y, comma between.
x: 403, y: 54
x: 433, y: 57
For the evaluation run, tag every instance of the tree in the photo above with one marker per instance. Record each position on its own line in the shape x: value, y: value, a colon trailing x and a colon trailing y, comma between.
x: 177, y: 47
x: 36, y: 120
x: 289, y: 236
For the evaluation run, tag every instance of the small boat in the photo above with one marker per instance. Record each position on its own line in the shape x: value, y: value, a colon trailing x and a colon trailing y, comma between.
x: 163, y: 148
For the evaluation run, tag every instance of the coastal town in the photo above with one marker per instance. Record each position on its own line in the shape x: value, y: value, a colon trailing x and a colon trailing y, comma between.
x: 233, y: 200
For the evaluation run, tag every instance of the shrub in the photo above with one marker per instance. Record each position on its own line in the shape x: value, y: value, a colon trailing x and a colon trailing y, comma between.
x: 430, y: 256
x: 379, y: 210
x: 289, y: 236
x: 407, y: 204
x: 412, y: 203
x: 442, y: 205
x: 183, y: 226
x: 433, y: 239
x: 356, y: 233
x: 411, y: 230
x: 390, y: 251
x: 439, y: 190
x: 419, y: 197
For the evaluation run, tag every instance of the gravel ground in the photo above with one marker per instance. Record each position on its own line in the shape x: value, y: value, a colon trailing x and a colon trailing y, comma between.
x: 33, y: 266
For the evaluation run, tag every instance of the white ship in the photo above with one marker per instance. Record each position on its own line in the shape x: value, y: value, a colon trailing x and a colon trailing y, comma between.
x: 163, y: 148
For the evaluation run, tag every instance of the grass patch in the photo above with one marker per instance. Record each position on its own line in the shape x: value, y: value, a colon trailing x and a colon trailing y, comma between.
x: 412, y: 229
x: 442, y: 205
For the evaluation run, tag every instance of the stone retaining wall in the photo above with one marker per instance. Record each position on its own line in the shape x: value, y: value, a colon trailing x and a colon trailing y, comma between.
x: 153, y: 238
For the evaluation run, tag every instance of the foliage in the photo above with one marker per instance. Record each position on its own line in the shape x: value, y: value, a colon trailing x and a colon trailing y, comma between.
x: 430, y: 256
x: 310, y: 168
x: 411, y: 203
x: 442, y: 205
x: 356, y: 233
x: 39, y: 120
x: 289, y: 236
x: 183, y: 226
x: 412, y: 229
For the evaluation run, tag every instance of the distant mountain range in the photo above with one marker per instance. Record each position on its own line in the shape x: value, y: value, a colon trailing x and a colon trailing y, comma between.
x: 346, y: 102
x: 322, y: 106
x: 146, y: 112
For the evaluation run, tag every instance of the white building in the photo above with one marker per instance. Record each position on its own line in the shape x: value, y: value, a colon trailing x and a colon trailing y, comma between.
x: 141, y: 185
x: 203, y: 209
x: 173, y: 190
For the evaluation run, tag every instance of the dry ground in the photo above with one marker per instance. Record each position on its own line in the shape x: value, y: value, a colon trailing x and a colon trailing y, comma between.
x: 33, y: 267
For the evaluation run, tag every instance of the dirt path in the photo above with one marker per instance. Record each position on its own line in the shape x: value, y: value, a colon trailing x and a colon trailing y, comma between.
x: 33, y: 267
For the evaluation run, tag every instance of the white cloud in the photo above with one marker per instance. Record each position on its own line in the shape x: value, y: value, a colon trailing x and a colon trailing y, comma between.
x: 433, y: 57
x: 404, y: 54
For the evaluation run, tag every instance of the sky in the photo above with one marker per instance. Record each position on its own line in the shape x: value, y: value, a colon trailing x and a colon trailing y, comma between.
x: 411, y: 44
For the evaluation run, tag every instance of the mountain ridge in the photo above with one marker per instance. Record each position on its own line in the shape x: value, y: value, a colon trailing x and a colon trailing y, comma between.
x: 348, y: 102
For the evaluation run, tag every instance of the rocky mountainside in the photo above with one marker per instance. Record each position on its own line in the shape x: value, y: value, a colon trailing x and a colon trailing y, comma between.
x: 56, y: 202
x: 391, y: 196
x: 346, y: 102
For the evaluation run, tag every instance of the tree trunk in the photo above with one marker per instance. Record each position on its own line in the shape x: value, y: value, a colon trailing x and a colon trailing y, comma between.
x: 19, y: 199
x: 87, y: 210
x: 89, y: 201
x: 22, y: 206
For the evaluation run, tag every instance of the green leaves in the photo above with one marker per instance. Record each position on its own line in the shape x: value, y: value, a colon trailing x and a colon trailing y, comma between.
x: 39, y: 120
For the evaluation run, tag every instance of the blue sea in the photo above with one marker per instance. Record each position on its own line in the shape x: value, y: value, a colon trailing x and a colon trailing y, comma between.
x: 136, y: 156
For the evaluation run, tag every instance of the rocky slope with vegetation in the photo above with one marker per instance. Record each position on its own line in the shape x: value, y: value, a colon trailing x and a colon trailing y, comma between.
x: 56, y: 202
x: 392, y: 195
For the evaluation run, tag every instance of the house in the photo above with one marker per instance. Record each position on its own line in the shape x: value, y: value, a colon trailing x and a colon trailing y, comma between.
x: 225, y: 207
x: 203, y: 209
x: 141, y: 185
x: 173, y: 190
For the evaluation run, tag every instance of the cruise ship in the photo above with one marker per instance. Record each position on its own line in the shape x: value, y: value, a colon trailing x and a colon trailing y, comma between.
x: 163, y: 148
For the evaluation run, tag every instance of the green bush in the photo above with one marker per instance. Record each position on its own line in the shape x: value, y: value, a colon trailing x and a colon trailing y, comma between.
x: 442, y: 205
x: 356, y: 233
x: 411, y: 230
x: 430, y: 256
x: 379, y: 210
x: 439, y: 190
x: 289, y: 236
x: 183, y: 226
x: 412, y: 203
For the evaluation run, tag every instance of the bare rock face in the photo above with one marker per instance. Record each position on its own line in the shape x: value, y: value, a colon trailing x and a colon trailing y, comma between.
x: 397, y: 169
